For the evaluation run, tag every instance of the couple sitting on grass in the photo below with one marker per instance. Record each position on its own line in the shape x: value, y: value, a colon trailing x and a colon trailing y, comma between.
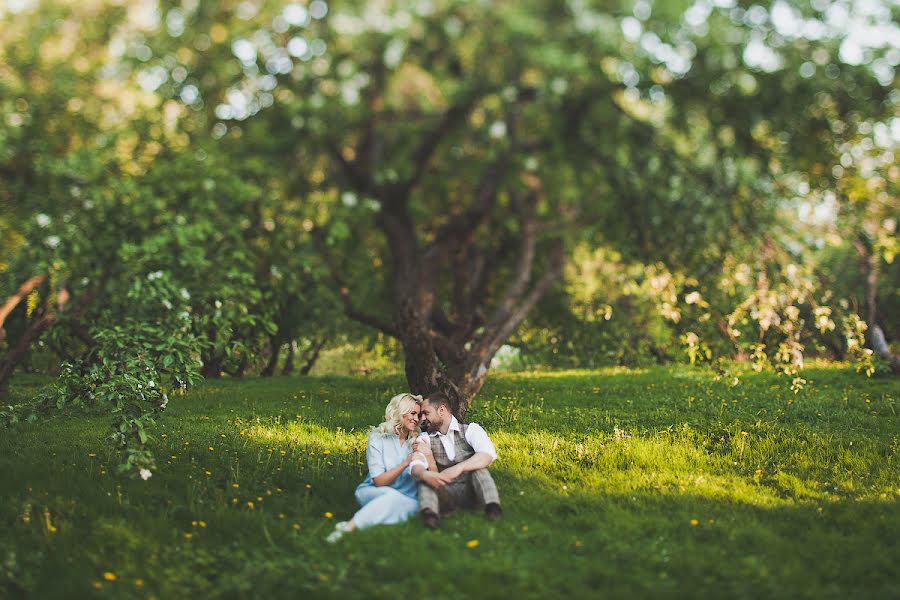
x: 434, y: 470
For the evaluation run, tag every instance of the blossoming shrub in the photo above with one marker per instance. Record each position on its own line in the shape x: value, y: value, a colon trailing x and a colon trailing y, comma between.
x: 131, y: 371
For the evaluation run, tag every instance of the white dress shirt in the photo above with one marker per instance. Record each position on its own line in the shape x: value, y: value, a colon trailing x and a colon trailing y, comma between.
x: 475, y: 435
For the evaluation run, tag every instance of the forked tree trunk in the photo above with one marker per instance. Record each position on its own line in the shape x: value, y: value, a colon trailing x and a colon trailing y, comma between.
x: 449, y: 343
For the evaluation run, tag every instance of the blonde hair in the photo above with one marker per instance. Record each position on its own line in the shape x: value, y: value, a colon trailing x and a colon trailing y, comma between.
x: 393, y: 416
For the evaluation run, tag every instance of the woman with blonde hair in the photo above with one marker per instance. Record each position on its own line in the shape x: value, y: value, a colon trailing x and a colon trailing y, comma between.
x: 388, y: 494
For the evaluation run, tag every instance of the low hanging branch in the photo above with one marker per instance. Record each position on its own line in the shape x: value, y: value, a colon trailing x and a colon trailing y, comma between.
x: 18, y: 353
x: 24, y: 290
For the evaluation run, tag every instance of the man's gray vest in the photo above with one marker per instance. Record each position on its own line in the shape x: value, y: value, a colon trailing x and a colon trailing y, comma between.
x: 463, y: 449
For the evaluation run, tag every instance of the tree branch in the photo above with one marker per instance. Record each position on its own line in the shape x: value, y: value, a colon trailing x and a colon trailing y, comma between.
x: 493, y: 340
x: 343, y: 290
x: 462, y: 225
x: 13, y: 301
x: 357, y: 178
x: 455, y: 115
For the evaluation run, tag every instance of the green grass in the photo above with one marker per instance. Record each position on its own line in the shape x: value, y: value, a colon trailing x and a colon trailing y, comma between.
x: 615, y: 483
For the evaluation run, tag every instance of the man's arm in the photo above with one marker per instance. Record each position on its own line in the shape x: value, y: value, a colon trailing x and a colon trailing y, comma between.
x: 479, y: 460
x: 484, y: 455
x: 430, y: 478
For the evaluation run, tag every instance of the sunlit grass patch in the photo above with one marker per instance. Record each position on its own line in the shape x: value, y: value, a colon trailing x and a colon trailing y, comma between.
x: 659, y: 482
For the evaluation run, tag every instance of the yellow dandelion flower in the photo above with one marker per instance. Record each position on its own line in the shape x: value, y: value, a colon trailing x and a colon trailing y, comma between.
x: 98, y: 585
x: 326, y: 452
x: 472, y: 544
x: 309, y: 486
x: 193, y: 523
x: 259, y: 498
x: 211, y: 448
x: 694, y: 522
x: 188, y: 535
x: 250, y: 504
x: 296, y: 525
x: 280, y: 515
x: 109, y: 576
x: 138, y: 583
x: 92, y: 454
x: 202, y: 523
x: 235, y: 485
x: 328, y: 515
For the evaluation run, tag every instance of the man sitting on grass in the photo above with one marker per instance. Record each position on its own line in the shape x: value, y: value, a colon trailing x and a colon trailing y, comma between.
x: 462, y: 453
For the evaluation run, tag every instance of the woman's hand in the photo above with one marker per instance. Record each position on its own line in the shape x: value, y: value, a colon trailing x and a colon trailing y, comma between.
x: 425, y: 449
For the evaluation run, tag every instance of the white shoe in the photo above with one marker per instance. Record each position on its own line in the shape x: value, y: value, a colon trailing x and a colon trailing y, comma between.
x: 339, y: 530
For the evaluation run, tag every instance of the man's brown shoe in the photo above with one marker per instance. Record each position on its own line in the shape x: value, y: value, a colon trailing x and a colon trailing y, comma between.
x: 493, y: 512
x: 430, y: 519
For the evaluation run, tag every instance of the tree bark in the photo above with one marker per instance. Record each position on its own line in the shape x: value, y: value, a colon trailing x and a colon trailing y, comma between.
x: 310, y: 360
x: 15, y: 356
x: 870, y: 263
x: 288, y: 368
x: 275, y: 344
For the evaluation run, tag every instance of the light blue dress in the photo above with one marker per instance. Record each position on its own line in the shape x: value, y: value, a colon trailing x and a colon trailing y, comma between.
x: 392, y: 503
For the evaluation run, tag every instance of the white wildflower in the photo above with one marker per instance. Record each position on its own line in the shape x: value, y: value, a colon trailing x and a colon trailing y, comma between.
x: 146, y: 474
x: 498, y: 130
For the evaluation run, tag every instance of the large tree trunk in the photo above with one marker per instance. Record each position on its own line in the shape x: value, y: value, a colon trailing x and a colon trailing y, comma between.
x: 451, y: 350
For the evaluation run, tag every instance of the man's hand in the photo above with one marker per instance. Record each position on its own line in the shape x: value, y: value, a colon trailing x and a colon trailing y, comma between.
x: 433, y: 480
x: 451, y: 473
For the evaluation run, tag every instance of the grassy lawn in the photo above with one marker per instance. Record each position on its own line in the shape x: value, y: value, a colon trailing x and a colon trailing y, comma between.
x: 615, y: 483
